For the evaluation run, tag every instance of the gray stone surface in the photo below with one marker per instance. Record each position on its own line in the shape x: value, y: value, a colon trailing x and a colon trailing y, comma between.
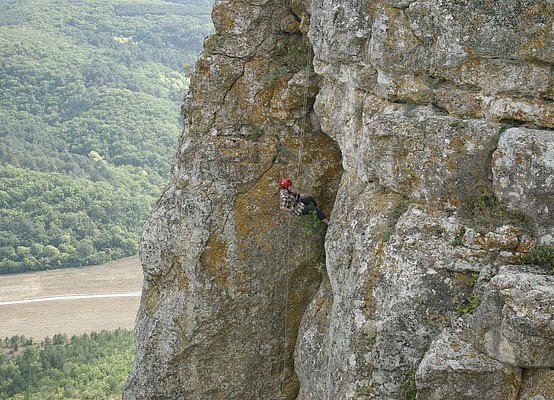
x: 523, y: 167
x: 538, y: 384
x: 414, y: 108
x: 484, y: 353
x: 453, y: 369
x: 397, y: 79
x: 514, y: 323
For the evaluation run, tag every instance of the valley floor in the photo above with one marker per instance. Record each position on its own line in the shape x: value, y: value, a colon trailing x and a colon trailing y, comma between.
x: 71, y: 301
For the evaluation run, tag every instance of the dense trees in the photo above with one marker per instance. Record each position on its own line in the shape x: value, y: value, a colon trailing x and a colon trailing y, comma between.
x: 59, y: 220
x: 92, y: 366
x: 89, y: 115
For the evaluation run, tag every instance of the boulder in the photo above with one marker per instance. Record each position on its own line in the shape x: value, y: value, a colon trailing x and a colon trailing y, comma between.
x: 453, y: 369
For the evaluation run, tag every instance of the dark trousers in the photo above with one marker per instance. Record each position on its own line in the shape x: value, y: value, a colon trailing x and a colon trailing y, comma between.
x: 310, y: 205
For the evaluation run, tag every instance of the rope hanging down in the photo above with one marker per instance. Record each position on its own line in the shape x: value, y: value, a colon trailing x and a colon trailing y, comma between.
x: 297, y: 177
x: 304, y: 108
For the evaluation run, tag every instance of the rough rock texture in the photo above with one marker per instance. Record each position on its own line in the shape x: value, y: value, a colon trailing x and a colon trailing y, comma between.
x: 539, y: 385
x: 452, y: 369
x: 523, y: 167
x: 514, y: 322
x: 442, y: 114
x: 417, y: 95
x: 485, y: 353
x: 227, y: 276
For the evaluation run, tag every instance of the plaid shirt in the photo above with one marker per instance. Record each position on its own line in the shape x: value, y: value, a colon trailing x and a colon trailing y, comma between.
x: 291, y: 200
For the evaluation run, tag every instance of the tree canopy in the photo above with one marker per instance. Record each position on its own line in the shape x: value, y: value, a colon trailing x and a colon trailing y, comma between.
x: 92, y: 366
x: 89, y: 117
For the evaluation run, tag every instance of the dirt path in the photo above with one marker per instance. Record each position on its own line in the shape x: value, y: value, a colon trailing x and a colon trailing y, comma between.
x: 70, y: 297
x: 71, y: 301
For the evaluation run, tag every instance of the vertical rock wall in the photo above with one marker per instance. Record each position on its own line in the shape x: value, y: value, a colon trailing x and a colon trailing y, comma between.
x: 227, y: 275
x: 442, y: 112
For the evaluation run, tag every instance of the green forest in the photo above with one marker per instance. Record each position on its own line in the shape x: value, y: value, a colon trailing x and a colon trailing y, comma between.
x: 88, y: 367
x: 90, y: 94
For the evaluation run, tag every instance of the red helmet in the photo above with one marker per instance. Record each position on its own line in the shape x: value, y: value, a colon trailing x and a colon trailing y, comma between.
x: 284, y: 183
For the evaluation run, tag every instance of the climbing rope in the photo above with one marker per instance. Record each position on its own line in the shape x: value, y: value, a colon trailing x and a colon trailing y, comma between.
x: 328, y: 381
x: 297, y: 177
x: 304, y: 108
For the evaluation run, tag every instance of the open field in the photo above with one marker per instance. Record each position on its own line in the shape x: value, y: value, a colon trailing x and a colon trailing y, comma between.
x: 71, y: 301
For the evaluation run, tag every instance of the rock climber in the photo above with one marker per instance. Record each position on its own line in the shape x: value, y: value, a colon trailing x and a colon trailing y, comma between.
x: 296, y: 205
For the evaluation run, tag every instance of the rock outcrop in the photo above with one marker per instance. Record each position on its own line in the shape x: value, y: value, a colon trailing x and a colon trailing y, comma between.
x: 425, y: 129
x: 488, y: 353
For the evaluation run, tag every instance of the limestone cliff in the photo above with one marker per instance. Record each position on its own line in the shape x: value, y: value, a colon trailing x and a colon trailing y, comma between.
x: 425, y: 129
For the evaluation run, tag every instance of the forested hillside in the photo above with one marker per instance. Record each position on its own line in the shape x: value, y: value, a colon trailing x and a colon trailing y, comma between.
x: 89, y: 117
x: 81, y: 367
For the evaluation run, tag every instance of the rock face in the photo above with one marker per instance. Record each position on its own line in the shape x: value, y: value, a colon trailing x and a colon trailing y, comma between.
x: 523, y: 167
x: 452, y: 369
x: 425, y: 129
x: 509, y: 338
x: 227, y: 276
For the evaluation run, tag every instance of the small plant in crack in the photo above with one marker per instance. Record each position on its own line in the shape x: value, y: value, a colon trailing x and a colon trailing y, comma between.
x: 256, y: 133
x: 283, y: 149
x: 392, y: 218
x: 485, y: 212
x: 293, y: 55
x: 458, y: 123
x: 459, y: 238
x: 540, y: 255
x: 470, y: 305
x: 371, y: 336
x: 408, y: 389
x: 275, y: 72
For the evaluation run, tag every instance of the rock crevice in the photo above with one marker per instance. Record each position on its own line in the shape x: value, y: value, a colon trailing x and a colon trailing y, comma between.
x: 223, y: 279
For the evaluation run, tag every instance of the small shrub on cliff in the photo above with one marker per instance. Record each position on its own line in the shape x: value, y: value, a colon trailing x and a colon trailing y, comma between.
x: 371, y: 335
x: 311, y: 225
x: 392, y: 218
x: 459, y: 238
x: 294, y: 54
x: 366, y: 391
x: 485, y: 213
x: 274, y: 73
x: 540, y: 255
x: 460, y: 124
x: 470, y: 305
x: 408, y: 389
x: 255, y: 133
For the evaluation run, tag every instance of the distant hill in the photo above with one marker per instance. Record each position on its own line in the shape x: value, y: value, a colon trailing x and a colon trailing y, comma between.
x: 89, y: 117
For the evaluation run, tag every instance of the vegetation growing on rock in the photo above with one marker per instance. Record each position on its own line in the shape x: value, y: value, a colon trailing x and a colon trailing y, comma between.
x: 485, y: 212
x: 540, y: 255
